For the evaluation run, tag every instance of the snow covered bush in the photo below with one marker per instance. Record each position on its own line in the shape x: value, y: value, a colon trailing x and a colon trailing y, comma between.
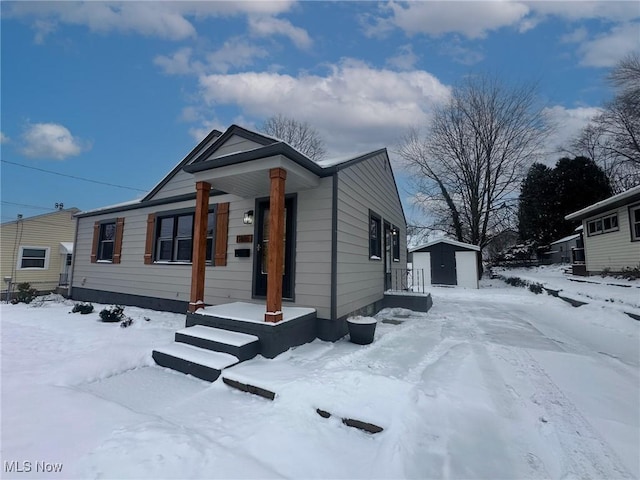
x: 82, y: 308
x: 536, y: 288
x: 112, y: 314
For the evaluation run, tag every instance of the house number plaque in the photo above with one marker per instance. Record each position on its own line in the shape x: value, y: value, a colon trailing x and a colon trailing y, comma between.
x: 244, y: 239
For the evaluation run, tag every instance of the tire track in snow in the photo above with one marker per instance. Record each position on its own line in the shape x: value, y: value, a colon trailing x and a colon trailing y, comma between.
x: 586, y: 453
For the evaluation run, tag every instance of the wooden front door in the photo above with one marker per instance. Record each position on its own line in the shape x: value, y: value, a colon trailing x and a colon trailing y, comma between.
x: 263, y: 241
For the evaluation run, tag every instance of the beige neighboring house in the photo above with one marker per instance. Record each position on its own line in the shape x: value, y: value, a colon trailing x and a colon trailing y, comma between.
x: 611, y: 234
x: 38, y: 250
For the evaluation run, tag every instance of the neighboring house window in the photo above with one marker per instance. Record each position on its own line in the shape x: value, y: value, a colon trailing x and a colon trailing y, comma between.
x: 33, y: 258
x: 375, y: 237
x: 605, y: 224
x: 174, y: 237
x: 395, y: 242
x: 106, y: 241
x: 634, y: 220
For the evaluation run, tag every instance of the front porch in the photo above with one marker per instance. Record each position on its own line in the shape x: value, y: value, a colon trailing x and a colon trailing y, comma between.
x: 221, y: 336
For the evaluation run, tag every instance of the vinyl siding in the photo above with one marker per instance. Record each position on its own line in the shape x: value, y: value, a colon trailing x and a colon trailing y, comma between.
x: 368, y: 185
x: 182, y: 182
x: 613, y: 250
x: 41, y: 231
x: 230, y: 283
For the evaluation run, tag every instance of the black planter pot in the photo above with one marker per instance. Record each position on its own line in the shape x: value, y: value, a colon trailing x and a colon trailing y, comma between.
x: 360, y: 332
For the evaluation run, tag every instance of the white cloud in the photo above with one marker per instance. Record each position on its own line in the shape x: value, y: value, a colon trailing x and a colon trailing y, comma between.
x: 160, y: 19
x: 405, y: 59
x: 51, y: 140
x: 269, y: 26
x: 577, y: 10
x: 235, y: 52
x: 4, y: 138
x: 459, y: 53
x: 568, y: 122
x: 576, y: 36
x: 178, y: 63
x: 471, y: 19
x: 607, y: 49
x: 356, y: 107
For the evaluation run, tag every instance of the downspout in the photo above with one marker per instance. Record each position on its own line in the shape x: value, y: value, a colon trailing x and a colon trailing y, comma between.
x: 73, y: 257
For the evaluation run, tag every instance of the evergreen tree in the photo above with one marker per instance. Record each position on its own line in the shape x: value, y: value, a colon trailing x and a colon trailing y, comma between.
x: 547, y: 195
x: 579, y: 182
x: 536, y: 205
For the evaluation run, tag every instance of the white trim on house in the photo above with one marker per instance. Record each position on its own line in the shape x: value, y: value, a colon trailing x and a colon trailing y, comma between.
x: 32, y: 247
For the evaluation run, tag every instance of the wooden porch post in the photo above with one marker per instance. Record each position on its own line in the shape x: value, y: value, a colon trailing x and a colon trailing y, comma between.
x: 275, y: 260
x: 199, y: 255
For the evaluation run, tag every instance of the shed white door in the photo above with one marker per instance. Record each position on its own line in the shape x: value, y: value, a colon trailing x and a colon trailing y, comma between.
x: 467, y: 269
x: 421, y: 273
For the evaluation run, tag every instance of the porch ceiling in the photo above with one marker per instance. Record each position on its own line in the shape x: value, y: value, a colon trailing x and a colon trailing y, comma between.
x: 250, y: 179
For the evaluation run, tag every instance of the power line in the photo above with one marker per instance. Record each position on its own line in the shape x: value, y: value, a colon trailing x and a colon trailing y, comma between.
x: 4, y: 202
x: 73, y: 176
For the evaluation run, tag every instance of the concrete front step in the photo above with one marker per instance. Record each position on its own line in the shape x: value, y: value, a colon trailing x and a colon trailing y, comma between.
x: 241, y: 345
x: 199, y: 362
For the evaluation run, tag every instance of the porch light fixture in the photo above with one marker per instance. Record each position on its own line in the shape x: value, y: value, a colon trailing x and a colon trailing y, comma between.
x: 248, y: 217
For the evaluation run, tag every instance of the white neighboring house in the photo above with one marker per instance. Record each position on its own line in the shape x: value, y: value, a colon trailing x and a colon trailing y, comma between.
x: 446, y: 262
x: 560, y: 250
x: 611, y: 234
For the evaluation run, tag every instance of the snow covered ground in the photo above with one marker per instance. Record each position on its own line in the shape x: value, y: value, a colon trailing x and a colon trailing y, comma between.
x: 491, y: 383
x: 621, y: 294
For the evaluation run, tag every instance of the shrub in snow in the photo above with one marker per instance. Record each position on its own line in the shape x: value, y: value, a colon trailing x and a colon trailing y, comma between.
x: 82, y: 308
x: 25, y: 293
x: 515, y: 281
x: 114, y: 313
x: 631, y: 273
x: 536, y: 288
x: 126, y: 322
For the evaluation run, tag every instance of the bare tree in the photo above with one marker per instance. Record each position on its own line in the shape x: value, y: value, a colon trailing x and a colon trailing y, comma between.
x: 469, y: 164
x: 300, y: 135
x: 612, y: 138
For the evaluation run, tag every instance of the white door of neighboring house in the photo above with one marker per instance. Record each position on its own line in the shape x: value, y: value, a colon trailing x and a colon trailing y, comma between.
x: 65, y: 269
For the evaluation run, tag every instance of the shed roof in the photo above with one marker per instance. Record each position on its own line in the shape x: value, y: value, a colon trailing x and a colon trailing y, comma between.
x: 566, y: 239
x: 456, y: 243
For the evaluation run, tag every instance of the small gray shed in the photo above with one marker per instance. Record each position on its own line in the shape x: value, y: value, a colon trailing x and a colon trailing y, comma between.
x: 447, y: 262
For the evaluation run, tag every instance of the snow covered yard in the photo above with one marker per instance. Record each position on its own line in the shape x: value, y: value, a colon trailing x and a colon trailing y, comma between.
x: 493, y: 383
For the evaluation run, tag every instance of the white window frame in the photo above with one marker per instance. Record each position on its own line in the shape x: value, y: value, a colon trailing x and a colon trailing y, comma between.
x: 598, y: 223
x: 632, y: 224
x: 21, y: 256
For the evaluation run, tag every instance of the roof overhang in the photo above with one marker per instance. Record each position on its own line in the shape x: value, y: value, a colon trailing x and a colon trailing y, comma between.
x: 66, y: 248
x: 246, y: 174
x: 625, y: 198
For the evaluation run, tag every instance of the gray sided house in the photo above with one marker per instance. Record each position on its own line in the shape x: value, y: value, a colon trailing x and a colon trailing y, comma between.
x: 247, y: 218
x: 560, y: 250
x: 611, y: 234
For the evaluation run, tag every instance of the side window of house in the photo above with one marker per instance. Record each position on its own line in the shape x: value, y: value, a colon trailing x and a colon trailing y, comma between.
x: 395, y: 239
x: 36, y: 258
x: 174, y: 237
x: 375, y: 237
x: 604, y: 224
x: 634, y: 219
x: 106, y: 241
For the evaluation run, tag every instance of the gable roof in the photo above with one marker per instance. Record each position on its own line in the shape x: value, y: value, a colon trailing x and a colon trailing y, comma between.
x: 625, y: 198
x: 446, y: 240
x: 213, y: 134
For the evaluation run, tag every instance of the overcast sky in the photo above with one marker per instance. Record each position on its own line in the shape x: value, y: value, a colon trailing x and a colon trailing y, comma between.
x: 120, y: 92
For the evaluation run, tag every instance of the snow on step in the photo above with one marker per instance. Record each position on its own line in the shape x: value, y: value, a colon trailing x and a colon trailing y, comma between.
x: 207, y: 358
x: 218, y: 335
